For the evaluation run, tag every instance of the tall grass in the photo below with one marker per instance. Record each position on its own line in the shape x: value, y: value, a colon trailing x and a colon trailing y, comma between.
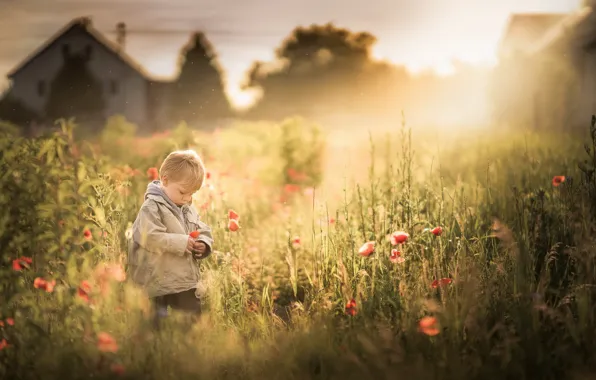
x: 518, y: 251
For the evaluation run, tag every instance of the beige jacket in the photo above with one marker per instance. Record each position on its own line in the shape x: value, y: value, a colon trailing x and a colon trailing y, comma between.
x: 156, y: 259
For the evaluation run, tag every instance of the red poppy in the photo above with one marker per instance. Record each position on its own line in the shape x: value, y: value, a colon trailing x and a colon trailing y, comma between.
x: 296, y: 241
x: 116, y: 368
x: 395, y: 256
x: 106, y: 342
x: 442, y: 282
x: 233, y: 215
x: 399, y: 237
x: 87, y: 234
x: 3, y: 344
x: 84, y: 290
x: 152, y: 174
x: 437, y: 231
x: 207, y: 175
x: 428, y: 326
x: 21, y: 263
x: 291, y: 188
x: 351, y: 307
x: 558, y: 179
x: 10, y: 321
x: 40, y: 283
x: 367, y: 249
x: 233, y: 225
x: 194, y: 234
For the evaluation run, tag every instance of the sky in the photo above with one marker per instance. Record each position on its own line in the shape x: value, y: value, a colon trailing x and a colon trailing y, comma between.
x: 421, y: 34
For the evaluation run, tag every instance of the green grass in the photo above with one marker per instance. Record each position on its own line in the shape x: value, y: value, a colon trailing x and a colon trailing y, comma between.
x: 520, y: 253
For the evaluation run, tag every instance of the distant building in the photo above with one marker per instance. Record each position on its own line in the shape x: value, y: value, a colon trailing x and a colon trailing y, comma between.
x: 569, y: 39
x: 524, y: 30
x: 128, y: 89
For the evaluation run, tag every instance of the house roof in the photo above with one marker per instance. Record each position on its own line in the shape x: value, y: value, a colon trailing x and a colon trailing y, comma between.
x: 83, y: 23
x: 572, y: 29
x: 524, y: 29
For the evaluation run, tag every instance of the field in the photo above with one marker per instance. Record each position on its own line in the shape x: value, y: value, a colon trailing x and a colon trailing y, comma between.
x: 395, y: 254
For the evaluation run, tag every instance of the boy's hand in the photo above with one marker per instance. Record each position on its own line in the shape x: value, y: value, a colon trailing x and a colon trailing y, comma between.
x: 199, y: 249
x: 190, y: 246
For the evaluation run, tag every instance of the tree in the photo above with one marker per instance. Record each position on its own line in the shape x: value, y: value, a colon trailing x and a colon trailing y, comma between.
x: 322, y: 65
x: 74, y: 91
x: 199, y: 91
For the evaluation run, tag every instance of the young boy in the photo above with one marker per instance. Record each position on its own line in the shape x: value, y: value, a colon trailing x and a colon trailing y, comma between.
x: 162, y: 255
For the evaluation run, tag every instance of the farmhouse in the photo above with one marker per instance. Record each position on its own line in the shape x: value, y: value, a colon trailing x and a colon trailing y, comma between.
x: 555, y: 56
x: 127, y: 88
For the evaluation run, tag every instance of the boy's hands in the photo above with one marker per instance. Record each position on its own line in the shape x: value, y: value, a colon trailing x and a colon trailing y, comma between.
x: 196, y: 248
x: 200, y: 249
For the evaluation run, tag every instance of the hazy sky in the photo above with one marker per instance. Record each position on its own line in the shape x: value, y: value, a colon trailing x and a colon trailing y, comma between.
x: 418, y: 33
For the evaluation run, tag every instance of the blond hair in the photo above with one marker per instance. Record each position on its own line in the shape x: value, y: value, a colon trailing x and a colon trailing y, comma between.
x: 184, y: 166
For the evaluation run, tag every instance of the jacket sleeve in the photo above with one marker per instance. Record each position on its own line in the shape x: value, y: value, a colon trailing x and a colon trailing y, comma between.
x: 206, y: 237
x: 149, y: 232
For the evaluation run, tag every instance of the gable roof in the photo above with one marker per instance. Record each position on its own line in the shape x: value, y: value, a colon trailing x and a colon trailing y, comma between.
x: 571, y: 31
x: 525, y: 29
x: 84, y: 24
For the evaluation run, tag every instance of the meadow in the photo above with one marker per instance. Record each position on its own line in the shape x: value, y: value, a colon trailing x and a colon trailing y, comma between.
x: 398, y: 253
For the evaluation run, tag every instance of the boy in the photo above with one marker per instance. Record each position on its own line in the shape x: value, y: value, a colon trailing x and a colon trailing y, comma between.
x: 161, y: 253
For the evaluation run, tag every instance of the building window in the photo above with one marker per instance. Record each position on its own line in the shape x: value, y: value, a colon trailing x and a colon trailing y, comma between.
x: 41, y: 88
x: 113, y: 87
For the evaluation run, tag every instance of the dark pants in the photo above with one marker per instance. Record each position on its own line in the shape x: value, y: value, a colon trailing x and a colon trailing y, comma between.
x: 184, y: 301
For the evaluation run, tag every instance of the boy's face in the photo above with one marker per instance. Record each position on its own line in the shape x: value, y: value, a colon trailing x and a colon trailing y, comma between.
x: 177, y: 192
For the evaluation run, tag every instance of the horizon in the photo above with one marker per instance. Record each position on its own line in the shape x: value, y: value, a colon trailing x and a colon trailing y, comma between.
x: 157, y: 31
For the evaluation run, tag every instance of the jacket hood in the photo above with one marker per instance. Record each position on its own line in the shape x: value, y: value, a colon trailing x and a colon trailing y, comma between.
x: 155, y: 191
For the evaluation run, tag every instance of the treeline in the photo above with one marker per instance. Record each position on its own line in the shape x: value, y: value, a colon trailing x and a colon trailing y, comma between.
x: 320, y: 69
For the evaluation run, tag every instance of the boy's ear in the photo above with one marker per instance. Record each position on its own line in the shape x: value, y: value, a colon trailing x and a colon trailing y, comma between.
x: 164, y: 180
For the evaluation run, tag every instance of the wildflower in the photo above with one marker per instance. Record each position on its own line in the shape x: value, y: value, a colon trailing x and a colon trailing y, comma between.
x: 367, y: 249
x: 331, y: 220
x: 152, y: 174
x: 351, y: 307
x: 399, y: 237
x: 233, y: 225
x: 309, y: 191
x: 3, y: 344
x: 233, y: 215
x: 116, y: 368
x: 84, y: 290
x: 558, y: 179
x: 296, y: 241
x: 428, y: 326
x: 442, y: 282
x: 87, y: 234
x: 194, y: 234
x: 40, y: 283
x: 110, y: 272
x: 291, y: 188
x: 10, y: 321
x: 395, y: 257
x: 21, y: 263
x: 207, y: 175
x: 106, y: 342
x: 437, y: 231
